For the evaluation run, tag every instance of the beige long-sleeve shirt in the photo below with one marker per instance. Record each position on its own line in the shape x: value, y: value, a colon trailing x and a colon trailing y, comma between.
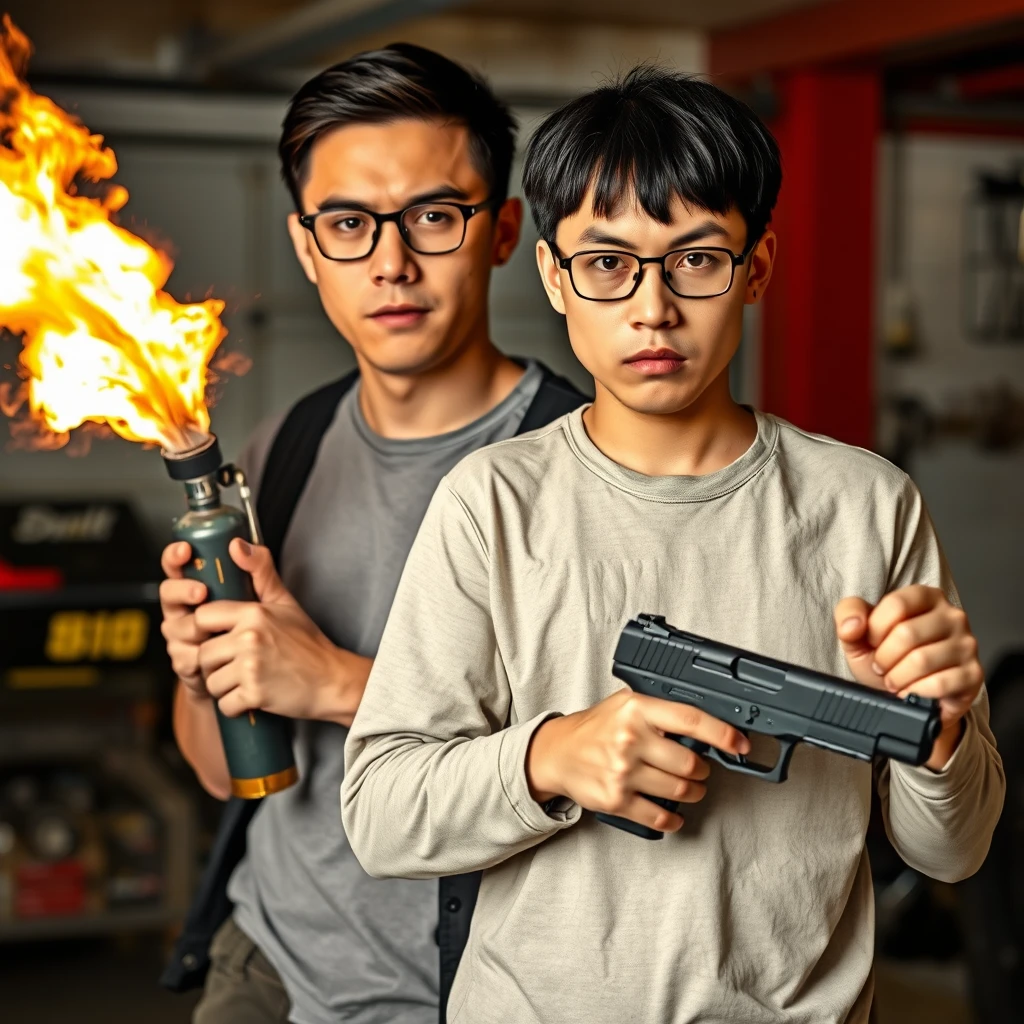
x: 532, y: 556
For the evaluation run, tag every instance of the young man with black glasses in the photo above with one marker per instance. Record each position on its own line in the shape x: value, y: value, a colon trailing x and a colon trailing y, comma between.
x: 491, y: 719
x: 398, y: 162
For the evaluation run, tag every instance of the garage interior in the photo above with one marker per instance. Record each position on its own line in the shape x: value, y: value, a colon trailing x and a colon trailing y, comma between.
x: 901, y: 126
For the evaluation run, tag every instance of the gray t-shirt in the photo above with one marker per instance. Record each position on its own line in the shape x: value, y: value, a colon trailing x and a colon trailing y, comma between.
x: 347, y: 946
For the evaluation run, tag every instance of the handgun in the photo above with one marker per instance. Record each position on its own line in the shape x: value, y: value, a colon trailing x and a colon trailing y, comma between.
x: 762, y: 695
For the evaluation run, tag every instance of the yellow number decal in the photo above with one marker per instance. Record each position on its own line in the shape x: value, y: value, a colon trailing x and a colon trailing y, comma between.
x: 96, y: 636
x: 127, y: 633
x: 67, y: 639
x: 99, y: 636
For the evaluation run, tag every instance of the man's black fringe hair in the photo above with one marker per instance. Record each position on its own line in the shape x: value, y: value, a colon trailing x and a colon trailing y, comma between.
x: 653, y: 135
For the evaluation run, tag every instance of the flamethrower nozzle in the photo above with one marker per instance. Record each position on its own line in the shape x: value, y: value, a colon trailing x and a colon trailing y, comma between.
x: 201, y: 461
x: 203, y: 473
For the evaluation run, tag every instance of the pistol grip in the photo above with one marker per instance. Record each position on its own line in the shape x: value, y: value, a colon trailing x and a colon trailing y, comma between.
x: 643, y: 831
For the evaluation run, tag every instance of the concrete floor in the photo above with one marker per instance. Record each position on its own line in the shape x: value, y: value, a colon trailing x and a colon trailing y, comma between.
x: 921, y: 992
x: 98, y: 981
x: 114, y: 982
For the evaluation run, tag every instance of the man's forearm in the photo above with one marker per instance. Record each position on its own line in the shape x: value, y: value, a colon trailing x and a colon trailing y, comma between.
x: 338, y: 697
x: 945, y: 746
x: 941, y: 822
x: 414, y: 806
x: 198, y: 736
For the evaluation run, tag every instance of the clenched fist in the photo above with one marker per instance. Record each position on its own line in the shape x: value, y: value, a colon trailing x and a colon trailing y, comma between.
x: 178, y: 600
x: 915, y: 641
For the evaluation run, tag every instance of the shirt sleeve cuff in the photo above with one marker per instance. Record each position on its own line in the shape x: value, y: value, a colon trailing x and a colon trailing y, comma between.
x: 954, y: 775
x: 515, y: 741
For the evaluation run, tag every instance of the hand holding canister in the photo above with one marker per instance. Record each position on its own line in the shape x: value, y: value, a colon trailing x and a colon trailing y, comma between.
x: 271, y: 655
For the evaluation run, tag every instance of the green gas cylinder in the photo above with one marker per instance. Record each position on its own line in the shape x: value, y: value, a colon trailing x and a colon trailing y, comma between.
x: 257, y: 744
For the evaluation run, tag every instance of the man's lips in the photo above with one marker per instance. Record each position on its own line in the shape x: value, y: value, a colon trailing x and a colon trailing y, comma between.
x: 404, y: 315
x: 655, y: 361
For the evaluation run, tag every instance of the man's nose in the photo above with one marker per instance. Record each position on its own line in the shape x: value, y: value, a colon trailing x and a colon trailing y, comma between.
x: 653, y: 304
x: 392, y: 261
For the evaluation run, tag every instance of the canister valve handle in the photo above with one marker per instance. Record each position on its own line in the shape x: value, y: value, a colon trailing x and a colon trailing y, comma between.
x: 229, y: 474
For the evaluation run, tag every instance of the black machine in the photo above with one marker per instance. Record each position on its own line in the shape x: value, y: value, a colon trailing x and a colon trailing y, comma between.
x: 78, y: 595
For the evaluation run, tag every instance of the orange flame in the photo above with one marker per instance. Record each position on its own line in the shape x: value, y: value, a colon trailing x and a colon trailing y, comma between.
x: 102, y: 342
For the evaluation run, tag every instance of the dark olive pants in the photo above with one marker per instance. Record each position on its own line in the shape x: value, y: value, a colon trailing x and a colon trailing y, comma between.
x: 242, y: 986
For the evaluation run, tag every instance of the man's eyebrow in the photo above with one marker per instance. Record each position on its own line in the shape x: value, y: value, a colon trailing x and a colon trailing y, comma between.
x: 439, y: 194
x: 594, y: 235
x: 700, y: 232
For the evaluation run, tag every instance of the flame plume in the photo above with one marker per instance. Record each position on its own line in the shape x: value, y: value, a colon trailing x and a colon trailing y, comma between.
x: 101, y: 341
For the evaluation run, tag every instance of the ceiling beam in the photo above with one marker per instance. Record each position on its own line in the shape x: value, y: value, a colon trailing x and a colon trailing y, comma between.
x: 842, y: 29
x: 983, y: 85
x: 313, y: 29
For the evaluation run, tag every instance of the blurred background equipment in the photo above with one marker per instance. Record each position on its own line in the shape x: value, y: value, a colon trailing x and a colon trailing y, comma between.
x: 96, y: 837
x: 893, y: 322
x: 994, y: 286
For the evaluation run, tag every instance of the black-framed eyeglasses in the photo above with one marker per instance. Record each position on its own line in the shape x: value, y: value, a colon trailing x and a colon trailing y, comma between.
x: 432, y: 229
x: 609, y: 275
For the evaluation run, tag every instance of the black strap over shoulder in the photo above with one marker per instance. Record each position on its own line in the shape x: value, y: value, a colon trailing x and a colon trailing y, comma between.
x: 555, y: 397
x: 291, y: 458
x: 289, y: 463
x: 190, y: 960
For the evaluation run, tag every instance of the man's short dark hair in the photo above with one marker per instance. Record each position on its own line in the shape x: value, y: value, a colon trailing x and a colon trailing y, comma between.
x: 397, y: 82
x: 655, y: 134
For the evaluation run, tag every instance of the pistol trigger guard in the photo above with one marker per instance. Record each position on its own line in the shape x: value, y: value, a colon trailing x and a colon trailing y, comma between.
x: 786, y: 748
x: 697, y: 746
x: 767, y: 773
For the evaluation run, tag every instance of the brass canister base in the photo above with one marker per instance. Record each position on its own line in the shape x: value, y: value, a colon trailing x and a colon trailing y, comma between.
x: 264, y: 785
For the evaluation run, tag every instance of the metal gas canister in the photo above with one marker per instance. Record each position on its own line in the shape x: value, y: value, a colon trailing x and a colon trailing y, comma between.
x: 257, y: 745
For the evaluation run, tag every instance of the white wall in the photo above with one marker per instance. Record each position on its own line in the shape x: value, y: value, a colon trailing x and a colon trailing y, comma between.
x: 976, y: 498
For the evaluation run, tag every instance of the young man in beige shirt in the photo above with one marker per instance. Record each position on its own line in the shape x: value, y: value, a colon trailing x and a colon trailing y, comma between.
x: 491, y: 720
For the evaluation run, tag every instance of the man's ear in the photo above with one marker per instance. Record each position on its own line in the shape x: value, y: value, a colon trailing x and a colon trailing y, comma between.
x: 762, y: 259
x: 550, y: 276
x: 302, y: 240
x: 507, y: 226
